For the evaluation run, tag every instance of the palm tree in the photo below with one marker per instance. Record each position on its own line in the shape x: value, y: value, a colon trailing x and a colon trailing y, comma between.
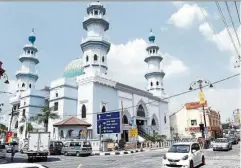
x: 46, y: 114
x: 28, y: 126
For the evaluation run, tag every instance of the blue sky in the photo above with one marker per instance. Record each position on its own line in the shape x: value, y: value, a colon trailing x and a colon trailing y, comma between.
x: 58, y: 27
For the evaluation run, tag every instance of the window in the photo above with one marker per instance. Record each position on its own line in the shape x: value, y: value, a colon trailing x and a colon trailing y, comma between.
x: 193, y: 122
x: 24, y: 111
x: 124, y: 120
x: 18, y: 106
x: 56, y: 94
x: 24, y: 103
x: 61, y: 133
x: 16, y: 125
x: 150, y: 51
x: 28, y: 52
x: 30, y: 85
x: 103, y: 59
x: 157, y: 83
x: 23, y: 84
x: 103, y: 109
x: 83, y: 111
x: 14, y: 107
x: 153, y: 122
x: 31, y: 52
x: 95, y: 57
x: 140, y: 111
x: 96, y: 12
x: 87, y: 58
x: 195, y: 146
x: 165, y: 119
x: 56, y: 105
x: 151, y: 84
x: 154, y: 51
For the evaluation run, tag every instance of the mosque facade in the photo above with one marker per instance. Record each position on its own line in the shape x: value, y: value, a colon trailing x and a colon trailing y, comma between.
x: 86, y: 90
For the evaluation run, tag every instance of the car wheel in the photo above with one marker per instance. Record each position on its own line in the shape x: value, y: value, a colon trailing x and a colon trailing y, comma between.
x: 65, y: 153
x: 214, y: 150
x: 191, y: 164
x: 77, y: 154
x: 203, y: 160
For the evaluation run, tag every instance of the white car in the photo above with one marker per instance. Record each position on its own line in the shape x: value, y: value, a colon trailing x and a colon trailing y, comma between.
x: 3, y: 151
x: 185, y: 155
x: 222, y: 144
x: 22, y: 165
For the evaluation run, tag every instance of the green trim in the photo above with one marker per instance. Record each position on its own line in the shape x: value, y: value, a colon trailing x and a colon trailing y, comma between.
x: 73, y: 73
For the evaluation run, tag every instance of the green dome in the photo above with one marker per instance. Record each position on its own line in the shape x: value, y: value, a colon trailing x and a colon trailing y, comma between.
x: 74, y: 69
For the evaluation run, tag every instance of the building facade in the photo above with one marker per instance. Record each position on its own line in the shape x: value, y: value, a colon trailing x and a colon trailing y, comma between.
x: 86, y: 90
x: 185, y: 122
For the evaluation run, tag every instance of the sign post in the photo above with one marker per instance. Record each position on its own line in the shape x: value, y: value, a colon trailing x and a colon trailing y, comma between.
x: 108, y: 123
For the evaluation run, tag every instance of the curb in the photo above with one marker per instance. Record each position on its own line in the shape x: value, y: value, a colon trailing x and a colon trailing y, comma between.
x: 117, y: 153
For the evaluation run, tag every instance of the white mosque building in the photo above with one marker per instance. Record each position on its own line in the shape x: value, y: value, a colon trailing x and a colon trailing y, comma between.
x: 85, y: 89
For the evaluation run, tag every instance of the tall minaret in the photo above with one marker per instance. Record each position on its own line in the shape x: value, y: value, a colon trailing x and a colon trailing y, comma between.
x: 27, y: 75
x: 154, y: 74
x: 95, y: 46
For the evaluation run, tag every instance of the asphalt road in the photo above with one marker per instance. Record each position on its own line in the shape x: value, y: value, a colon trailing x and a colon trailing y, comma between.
x: 150, y: 159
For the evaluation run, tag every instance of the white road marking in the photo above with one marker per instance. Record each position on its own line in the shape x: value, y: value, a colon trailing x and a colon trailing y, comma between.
x: 79, y: 165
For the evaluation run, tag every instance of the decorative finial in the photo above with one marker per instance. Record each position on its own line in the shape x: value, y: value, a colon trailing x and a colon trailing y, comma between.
x: 32, y: 37
x: 151, y: 37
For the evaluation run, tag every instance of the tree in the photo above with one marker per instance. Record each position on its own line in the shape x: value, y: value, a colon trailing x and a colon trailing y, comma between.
x: 26, y: 124
x: 193, y: 135
x: 43, y: 117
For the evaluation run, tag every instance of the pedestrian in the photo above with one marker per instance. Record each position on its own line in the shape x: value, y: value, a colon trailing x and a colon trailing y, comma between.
x: 12, y: 152
x: 116, y: 146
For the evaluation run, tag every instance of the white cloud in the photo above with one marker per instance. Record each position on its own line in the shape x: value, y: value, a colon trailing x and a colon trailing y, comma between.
x: 126, y: 61
x: 178, y: 3
x: 222, y: 41
x: 222, y: 100
x: 186, y: 16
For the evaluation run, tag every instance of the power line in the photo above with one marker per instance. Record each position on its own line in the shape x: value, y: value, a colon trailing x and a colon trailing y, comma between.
x: 209, y: 23
x: 179, y: 94
x: 236, y: 6
x: 226, y: 25
x: 230, y: 16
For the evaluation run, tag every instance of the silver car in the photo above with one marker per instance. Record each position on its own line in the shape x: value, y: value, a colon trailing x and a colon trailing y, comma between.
x: 77, y: 148
x: 222, y: 144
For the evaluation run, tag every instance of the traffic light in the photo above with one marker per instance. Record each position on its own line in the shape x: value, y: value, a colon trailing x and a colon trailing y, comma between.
x: 201, y: 127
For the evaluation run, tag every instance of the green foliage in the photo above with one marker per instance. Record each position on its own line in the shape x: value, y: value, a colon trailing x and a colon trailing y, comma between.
x: 43, y: 117
x: 155, y: 137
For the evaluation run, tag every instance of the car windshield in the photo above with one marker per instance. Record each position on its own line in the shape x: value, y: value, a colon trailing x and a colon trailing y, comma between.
x: 179, y: 149
x: 59, y: 144
x: 221, y: 140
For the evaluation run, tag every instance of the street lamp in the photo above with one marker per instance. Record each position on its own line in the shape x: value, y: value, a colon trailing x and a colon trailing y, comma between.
x: 199, y: 84
x: 5, y: 77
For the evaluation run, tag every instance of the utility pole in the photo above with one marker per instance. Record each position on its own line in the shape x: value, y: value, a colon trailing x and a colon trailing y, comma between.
x: 11, y: 119
x: 199, y: 84
x: 122, y: 114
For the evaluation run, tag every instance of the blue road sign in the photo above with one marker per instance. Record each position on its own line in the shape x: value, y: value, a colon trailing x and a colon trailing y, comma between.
x: 110, y: 123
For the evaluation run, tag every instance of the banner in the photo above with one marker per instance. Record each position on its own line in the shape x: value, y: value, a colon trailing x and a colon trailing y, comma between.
x: 8, y: 136
x: 133, y: 132
x: 195, y: 105
x: 201, y: 98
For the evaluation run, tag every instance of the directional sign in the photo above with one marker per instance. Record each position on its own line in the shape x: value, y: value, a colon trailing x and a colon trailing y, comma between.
x: 108, y: 123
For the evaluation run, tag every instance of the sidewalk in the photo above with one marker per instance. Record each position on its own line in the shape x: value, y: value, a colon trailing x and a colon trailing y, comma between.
x: 125, y: 152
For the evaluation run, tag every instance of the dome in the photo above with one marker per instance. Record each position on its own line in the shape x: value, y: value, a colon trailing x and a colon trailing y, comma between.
x: 74, y: 69
x: 152, y: 37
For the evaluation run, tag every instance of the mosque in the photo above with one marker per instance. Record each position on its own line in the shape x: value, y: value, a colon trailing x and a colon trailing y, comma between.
x: 85, y: 89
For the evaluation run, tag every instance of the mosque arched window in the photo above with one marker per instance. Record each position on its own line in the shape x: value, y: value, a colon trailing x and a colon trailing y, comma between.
x: 30, y: 85
x: 150, y: 51
x: 28, y: 51
x: 154, y: 51
x: 83, y: 111
x: 23, y: 84
x: 157, y: 83
x: 103, y: 59
x: 95, y: 57
x: 103, y: 109
x: 87, y: 58
x: 124, y: 120
x: 151, y: 84
x: 31, y: 52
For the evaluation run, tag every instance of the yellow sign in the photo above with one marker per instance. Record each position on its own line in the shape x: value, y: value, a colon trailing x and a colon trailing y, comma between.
x: 83, y: 132
x: 238, y: 117
x: 133, y: 132
x: 202, y: 98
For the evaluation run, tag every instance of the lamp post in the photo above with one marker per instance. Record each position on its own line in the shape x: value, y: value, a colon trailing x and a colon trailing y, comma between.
x: 200, y: 84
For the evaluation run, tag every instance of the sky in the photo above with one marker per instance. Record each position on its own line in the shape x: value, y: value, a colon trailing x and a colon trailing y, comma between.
x: 190, y: 48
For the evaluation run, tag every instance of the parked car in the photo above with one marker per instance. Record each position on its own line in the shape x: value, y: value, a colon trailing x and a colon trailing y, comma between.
x: 9, y: 146
x: 184, y: 154
x: 3, y: 151
x: 233, y: 139
x: 77, y: 148
x: 222, y: 144
x: 55, y: 147
x: 23, y: 165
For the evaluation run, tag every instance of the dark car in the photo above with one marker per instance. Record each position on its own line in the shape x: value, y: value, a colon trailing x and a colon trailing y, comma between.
x: 55, y: 147
x: 234, y: 140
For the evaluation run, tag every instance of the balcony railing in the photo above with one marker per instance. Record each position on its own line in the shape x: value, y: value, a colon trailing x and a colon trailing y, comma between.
x: 28, y: 55
x: 98, y: 38
x: 95, y: 17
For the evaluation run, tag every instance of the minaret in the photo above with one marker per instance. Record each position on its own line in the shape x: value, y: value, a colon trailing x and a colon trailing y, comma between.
x: 27, y: 75
x: 155, y: 74
x: 95, y: 46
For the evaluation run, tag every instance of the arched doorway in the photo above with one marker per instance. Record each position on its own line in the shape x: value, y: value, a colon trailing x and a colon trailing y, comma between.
x: 124, y: 135
x: 140, y: 121
x: 124, y: 120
